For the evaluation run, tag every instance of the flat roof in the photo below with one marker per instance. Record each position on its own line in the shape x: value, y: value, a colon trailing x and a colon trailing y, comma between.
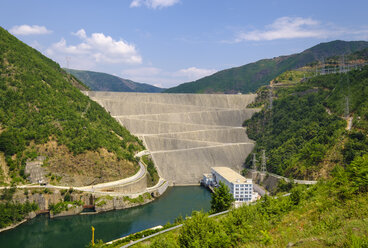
x: 230, y: 175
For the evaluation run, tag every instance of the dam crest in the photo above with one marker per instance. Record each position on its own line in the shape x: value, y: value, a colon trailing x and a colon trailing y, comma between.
x: 186, y: 134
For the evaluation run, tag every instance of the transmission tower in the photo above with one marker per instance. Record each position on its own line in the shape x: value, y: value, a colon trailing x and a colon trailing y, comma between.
x: 254, y: 162
x: 263, y: 165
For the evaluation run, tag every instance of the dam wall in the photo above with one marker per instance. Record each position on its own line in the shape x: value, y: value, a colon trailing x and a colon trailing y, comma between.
x: 186, y: 134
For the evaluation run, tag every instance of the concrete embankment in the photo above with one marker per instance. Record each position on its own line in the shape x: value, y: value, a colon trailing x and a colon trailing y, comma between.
x: 73, y: 202
x: 186, y: 134
x: 270, y: 181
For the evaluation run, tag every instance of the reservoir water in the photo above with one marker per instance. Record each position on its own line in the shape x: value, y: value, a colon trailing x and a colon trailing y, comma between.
x: 75, y: 231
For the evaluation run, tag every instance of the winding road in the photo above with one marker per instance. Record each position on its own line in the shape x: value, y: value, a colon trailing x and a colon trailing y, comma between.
x: 98, y: 188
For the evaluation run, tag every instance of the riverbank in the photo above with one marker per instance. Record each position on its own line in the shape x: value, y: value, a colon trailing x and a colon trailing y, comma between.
x: 29, y: 217
x: 61, y: 203
x: 75, y: 231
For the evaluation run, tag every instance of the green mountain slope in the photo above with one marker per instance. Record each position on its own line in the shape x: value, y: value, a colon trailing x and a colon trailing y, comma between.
x: 43, y: 113
x: 304, y: 135
x: 248, y: 78
x: 303, y: 131
x: 99, y: 81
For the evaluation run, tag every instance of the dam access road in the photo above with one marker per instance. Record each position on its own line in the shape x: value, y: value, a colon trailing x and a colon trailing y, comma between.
x: 186, y: 134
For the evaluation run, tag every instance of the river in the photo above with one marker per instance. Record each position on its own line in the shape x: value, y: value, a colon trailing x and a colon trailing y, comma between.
x: 75, y: 231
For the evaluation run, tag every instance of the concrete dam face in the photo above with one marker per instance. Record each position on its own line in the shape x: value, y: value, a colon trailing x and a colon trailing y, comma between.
x: 186, y: 134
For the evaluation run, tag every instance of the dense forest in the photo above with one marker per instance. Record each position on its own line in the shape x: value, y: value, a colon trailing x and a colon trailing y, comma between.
x: 39, y: 103
x: 304, y: 134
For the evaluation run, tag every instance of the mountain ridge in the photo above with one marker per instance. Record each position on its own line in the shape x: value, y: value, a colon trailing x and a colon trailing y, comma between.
x: 248, y: 78
x: 100, y: 81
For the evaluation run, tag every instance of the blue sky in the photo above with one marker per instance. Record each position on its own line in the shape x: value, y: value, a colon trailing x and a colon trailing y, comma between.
x: 167, y: 42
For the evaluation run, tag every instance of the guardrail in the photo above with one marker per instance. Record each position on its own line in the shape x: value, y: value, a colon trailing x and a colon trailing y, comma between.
x: 166, y: 230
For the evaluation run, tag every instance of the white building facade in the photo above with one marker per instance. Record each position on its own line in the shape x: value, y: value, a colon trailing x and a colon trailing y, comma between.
x: 240, y: 187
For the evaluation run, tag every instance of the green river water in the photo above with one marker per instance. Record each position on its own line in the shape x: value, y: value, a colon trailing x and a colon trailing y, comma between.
x: 75, y: 231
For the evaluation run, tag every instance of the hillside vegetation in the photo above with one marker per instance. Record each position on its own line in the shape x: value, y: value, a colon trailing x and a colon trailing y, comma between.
x: 332, y: 213
x: 43, y: 113
x: 249, y: 77
x: 323, y: 215
x: 304, y: 135
x: 99, y: 81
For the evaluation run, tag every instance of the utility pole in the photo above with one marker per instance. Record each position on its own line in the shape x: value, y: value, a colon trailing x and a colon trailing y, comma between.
x: 263, y: 165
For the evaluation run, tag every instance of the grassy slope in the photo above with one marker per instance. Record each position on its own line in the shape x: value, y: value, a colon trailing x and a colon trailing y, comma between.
x: 248, y: 78
x: 39, y: 105
x: 99, y: 81
x: 318, y: 219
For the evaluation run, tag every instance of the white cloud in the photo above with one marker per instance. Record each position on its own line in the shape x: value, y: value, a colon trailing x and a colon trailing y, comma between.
x: 162, y: 78
x: 96, y: 49
x: 36, y: 45
x: 299, y: 27
x: 194, y: 73
x: 141, y: 72
x: 285, y: 28
x: 81, y: 33
x: 153, y: 4
x: 29, y: 30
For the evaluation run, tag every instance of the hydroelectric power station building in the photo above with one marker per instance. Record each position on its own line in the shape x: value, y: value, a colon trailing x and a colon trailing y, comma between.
x: 240, y: 187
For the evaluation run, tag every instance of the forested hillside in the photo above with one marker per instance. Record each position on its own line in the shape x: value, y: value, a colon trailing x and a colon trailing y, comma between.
x: 249, y: 77
x: 305, y: 134
x: 99, y: 81
x: 43, y: 113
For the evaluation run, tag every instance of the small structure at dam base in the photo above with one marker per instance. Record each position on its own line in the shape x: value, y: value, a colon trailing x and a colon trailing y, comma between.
x: 240, y: 187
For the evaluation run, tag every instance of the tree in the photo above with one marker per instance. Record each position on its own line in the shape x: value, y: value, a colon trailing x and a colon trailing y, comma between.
x: 200, y: 231
x: 221, y: 198
x: 358, y: 173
